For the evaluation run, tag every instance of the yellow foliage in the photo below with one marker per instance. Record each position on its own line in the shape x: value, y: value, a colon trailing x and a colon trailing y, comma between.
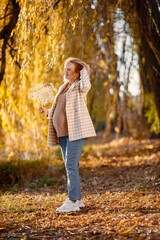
x: 43, y: 39
x: 105, y: 84
x: 102, y: 63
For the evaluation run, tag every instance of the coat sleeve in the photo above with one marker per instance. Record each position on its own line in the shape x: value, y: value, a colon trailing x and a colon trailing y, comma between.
x: 85, y: 84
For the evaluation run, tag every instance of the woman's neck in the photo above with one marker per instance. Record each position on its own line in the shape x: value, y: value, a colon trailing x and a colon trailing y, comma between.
x: 70, y: 82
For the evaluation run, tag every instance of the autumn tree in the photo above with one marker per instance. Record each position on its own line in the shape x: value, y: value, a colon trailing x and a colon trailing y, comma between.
x: 35, y: 39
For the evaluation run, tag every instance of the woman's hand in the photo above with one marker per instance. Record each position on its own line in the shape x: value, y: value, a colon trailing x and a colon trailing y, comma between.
x: 44, y: 111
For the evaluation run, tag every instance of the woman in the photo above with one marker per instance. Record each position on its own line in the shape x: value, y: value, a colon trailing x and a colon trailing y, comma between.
x: 70, y: 124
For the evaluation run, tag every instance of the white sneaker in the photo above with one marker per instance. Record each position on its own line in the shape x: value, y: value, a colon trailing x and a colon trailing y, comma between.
x: 68, y: 206
x: 80, y: 203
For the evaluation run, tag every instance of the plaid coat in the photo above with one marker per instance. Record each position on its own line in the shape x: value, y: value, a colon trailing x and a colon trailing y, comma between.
x: 78, y: 119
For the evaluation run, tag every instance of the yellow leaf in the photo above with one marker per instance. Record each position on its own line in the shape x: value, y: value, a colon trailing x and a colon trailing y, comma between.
x: 128, y: 230
x: 107, y: 193
x: 105, y: 84
x: 105, y: 40
x: 102, y: 63
x: 149, y: 147
x: 116, y: 129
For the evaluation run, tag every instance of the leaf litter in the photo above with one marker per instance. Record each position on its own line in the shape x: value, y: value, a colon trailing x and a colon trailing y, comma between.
x: 120, y: 184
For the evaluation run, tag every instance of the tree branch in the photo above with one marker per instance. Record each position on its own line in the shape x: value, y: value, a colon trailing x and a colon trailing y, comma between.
x: 150, y: 23
x: 5, y: 16
x: 12, y: 51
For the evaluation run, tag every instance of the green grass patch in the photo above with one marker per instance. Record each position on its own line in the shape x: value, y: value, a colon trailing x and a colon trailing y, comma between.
x: 22, y: 172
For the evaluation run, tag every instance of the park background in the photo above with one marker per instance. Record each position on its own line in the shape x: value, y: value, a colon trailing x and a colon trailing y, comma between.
x: 120, y: 40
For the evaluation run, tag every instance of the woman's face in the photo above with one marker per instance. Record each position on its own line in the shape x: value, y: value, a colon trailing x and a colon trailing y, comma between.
x: 69, y: 72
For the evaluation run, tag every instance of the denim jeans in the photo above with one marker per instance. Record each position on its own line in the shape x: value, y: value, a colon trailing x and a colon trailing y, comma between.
x: 71, y: 152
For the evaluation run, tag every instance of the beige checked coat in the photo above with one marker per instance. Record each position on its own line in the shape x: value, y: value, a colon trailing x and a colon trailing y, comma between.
x: 78, y: 119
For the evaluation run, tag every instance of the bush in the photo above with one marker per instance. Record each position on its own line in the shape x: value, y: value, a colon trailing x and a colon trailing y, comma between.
x: 22, y: 171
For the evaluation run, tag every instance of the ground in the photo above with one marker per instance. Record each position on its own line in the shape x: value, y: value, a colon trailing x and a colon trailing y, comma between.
x: 120, y: 183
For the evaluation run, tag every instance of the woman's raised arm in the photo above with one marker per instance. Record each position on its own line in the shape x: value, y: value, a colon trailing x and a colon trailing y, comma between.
x: 85, y: 83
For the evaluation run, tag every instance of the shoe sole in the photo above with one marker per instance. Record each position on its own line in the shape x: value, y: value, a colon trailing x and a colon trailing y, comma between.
x: 68, y: 211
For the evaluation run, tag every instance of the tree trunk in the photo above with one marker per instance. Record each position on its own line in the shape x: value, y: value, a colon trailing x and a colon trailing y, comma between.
x: 149, y: 16
x: 6, y: 33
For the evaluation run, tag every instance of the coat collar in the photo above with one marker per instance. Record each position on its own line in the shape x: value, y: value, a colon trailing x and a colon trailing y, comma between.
x: 62, y: 87
x: 71, y: 87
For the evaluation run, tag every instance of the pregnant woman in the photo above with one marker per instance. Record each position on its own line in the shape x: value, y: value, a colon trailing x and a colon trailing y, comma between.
x: 70, y: 124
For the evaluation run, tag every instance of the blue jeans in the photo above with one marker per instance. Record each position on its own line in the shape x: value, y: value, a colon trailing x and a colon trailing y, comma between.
x: 71, y: 152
